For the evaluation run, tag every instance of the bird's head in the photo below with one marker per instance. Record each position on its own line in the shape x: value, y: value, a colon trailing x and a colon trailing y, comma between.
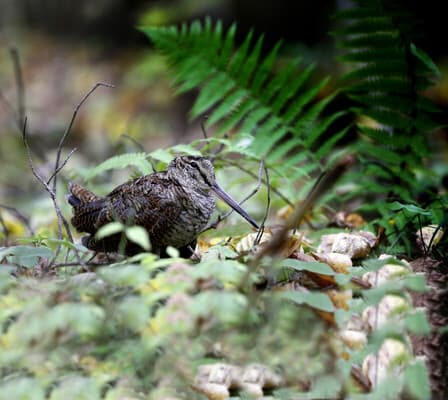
x: 193, y: 172
x: 198, y: 173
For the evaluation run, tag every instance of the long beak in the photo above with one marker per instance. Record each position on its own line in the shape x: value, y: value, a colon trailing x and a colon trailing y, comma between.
x: 232, y: 203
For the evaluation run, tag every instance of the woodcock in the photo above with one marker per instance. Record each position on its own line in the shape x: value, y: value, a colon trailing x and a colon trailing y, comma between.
x: 174, y: 206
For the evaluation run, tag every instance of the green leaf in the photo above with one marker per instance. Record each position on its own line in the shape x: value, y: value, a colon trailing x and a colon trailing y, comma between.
x: 186, y: 149
x: 416, y: 283
x: 225, y: 271
x: 109, y: 229
x: 311, y: 266
x: 417, y: 323
x: 314, y: 299
x: 25, y: 256
x: 21, y: 389
x: 133, y: 313
x: 411, y: 208
x: 76, y: 388
x: 161, y: 155
x: 243, y: 90
x: 172, y: 252
x: 417, y: 381
x: 139, y: 235
x: 425, y: 59
x: 127, y: 275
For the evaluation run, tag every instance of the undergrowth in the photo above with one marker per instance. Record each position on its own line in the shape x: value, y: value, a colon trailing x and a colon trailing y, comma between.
x: 143, y: 327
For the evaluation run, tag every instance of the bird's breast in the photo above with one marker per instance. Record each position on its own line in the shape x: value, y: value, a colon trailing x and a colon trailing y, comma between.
x: 194, y: 213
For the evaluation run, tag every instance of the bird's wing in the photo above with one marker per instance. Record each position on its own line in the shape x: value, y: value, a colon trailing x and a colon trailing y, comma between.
x: 144, y: 201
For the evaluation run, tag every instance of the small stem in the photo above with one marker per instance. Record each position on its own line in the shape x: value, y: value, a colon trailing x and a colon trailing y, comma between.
x: 69, y: 127
x: 60, y: 218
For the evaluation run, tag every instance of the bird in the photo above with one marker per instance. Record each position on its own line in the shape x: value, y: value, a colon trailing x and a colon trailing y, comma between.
x: 173, y: 206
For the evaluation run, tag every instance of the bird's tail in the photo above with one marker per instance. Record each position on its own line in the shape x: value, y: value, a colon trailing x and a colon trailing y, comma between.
x: 86, y: 207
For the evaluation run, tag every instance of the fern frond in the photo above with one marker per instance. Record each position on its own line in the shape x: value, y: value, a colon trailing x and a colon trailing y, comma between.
x: 390, y: 71
x: 241, y: 90
x: 386, y: 82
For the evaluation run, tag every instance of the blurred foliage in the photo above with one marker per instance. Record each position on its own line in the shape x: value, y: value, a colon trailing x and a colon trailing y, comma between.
x: 142, y: 328
x: 388, y: 80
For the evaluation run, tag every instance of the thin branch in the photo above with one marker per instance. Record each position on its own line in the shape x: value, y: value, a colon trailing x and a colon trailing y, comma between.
x: 69, y: 127
x: 77, y: 264
x: 19, y: 86
x: 61, y: 166
x: 268, y: 205
x: 219, y: 148
x: 60, y: 218
x: 204, y: 132
x: 134, y: 141
x: 249, y: 172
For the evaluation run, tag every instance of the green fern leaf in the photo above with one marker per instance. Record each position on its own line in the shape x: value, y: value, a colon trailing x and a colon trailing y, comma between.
x: 302, y: 100
x: 239, y: 89
x: 324, y: 150
x: 320, y: 128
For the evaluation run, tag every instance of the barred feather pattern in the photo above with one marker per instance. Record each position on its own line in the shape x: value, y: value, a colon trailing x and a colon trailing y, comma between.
x: 173, y: 206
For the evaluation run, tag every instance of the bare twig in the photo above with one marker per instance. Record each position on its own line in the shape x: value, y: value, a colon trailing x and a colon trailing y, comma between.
x: 141, y: 148
x: 364, y: 383
x: 61, y: 166
x: 69, y: 127
x: 204, y: 132
x: 219, y: 148
x: 134, y: 141
x: 249, y: 172
x: 268, y: 205
x: 19, y: 85
x: 77, y: 264
x: 60, y: 218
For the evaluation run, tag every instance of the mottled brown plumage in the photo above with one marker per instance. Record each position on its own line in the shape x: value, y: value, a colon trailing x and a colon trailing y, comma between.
x: 174, y: 206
